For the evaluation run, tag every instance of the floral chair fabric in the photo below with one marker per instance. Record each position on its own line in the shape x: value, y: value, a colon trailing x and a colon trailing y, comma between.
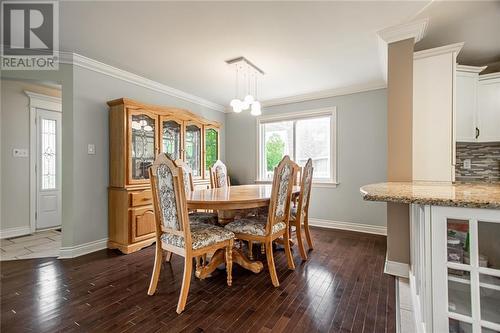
x: 284, y: 181
x: 221, y: 176
x: 202, y: 235
x: 253, y: 226
x: 203, y: 217
x: 185, y: 176
x: 308, y: 172
x: 168, y: 206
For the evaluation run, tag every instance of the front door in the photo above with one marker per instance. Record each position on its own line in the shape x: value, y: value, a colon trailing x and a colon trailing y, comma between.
x: 48, y: 169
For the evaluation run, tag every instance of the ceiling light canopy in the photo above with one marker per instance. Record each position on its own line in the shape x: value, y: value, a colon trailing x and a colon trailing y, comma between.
x: 246, y: 86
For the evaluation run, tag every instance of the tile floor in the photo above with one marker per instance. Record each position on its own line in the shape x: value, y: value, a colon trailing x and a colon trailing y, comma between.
x: 39, y: 245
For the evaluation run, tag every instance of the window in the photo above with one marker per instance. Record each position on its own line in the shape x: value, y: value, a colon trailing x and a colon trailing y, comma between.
x: 302, y: 136
x: 49, y: 154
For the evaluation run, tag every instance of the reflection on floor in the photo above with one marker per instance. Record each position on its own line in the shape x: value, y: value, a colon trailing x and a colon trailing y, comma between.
x: 340, y: 288
x: 39, y: 245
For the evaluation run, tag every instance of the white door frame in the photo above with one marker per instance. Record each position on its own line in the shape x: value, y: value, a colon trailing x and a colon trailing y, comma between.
x: 37, y: 101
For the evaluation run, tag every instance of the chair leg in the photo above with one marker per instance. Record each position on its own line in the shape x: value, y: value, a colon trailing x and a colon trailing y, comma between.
x: 306, y: 229
x: 262, y: 248
x: 186, y: 281
x: 300, y: 243
x: 156, y: 270
x: 270, y: 263
x: 229, y: 263
x: 250, y: 250
x: 288, y: 251
x: 197, y: 260
x: 168, y: 256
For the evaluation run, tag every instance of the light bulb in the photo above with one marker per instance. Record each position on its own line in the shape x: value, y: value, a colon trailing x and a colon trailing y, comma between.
x: 235, y: 102
x: 245, y: 105
x: 249, y: 99
x: 237, y: 109
x: 256, y: 111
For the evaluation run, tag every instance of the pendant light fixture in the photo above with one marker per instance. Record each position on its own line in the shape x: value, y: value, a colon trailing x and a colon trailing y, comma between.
x: 246, y: 85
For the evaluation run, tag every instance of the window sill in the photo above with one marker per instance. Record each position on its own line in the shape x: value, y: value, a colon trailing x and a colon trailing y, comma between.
x: 314, y: 185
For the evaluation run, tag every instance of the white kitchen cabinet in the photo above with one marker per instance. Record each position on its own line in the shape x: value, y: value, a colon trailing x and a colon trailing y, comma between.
x: 434, y: 89
x: 489, y: 108
x: 467, y: 102
x: 450, y: 292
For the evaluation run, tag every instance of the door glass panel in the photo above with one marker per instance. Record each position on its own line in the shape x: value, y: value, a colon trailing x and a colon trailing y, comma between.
x: 489, y: 291
x: 489, y: 244
x: 211, y: 148
x: 458, y: 241
x: 142, y: 145
x: 48, y: 153
x: 193, y: 149
x: 456, y: 326
x: 459, y: 295
x: 171, y: 139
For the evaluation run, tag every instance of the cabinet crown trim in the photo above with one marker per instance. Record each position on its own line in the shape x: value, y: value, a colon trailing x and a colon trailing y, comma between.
x: 165, y: 110
x: 438, y: 51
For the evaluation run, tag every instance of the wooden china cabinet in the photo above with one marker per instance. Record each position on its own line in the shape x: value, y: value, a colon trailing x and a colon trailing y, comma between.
x: 137, y: 133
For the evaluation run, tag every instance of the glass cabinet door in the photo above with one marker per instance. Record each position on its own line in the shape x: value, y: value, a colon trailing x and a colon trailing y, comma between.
x: 211, y: 148
x: 467, y: 270
x: 193, y: 144
x: 142, y: 145
x: 171, y: 138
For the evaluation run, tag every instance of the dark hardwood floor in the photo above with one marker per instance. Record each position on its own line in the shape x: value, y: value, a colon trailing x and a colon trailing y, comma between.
x: 341, y: 288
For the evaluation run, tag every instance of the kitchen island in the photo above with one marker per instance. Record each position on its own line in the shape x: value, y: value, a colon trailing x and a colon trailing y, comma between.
x: 454, y: 252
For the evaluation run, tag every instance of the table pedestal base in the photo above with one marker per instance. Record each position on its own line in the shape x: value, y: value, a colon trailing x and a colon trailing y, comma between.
x: 219, y: 258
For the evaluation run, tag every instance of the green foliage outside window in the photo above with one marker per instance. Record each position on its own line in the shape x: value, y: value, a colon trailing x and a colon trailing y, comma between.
x: 211, y: 146
x: 275, y: 148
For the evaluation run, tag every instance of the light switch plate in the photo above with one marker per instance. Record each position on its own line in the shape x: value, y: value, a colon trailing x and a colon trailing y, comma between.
x: 18, y: 152
x: 467, y: 163
x: 91, y: 149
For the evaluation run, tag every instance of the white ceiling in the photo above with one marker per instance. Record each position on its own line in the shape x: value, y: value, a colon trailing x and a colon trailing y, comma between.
x: 302, y: 46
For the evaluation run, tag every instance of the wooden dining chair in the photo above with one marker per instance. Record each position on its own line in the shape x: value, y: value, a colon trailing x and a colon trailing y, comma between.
x: 174, y: 233
x: 256, y: 229
x: 300, y: 209
x: 195, y: 215
x: 219, y: 176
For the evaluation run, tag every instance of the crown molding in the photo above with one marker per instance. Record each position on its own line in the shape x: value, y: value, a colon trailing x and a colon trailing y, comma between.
x: 325, y: 94
x: 415, y: 30
x: 76, y: 59
x: 438, y: 50
x: 41, y: 97
x: 471, y: 69
x: 490, y: 76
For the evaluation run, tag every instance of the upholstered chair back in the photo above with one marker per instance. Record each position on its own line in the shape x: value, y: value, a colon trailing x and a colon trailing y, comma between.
x: 283, y: 180
x: 169, y: 198
x: 305, y: 190
x: 187, y: 174
x: 218, y: 175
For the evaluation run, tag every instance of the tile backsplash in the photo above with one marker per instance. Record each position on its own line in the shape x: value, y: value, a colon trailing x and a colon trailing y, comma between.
x: 485, y: 161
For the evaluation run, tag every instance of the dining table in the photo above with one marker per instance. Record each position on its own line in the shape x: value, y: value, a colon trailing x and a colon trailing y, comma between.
x: 228, y: 202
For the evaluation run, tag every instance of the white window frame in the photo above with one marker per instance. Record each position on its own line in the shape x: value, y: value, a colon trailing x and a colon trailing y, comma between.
x: 315, y: 113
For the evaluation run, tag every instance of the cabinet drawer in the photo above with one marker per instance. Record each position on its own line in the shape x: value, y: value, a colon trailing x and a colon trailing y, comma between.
x: 141, y: 198
x: 142, y: 223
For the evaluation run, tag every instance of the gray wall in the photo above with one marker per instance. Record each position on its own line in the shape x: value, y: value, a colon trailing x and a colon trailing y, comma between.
x: 15, y: 127
x: 362, y: 154
x: 91, y: 92
x: 85, y: 120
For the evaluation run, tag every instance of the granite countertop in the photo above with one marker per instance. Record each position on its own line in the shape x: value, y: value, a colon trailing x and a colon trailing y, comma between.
x: 471, y: 195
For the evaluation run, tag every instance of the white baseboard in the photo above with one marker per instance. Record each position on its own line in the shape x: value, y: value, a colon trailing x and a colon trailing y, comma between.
x: 396, y: 268
x: 80, y: 250
x: 358, y: 227
x: 14, y: 232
